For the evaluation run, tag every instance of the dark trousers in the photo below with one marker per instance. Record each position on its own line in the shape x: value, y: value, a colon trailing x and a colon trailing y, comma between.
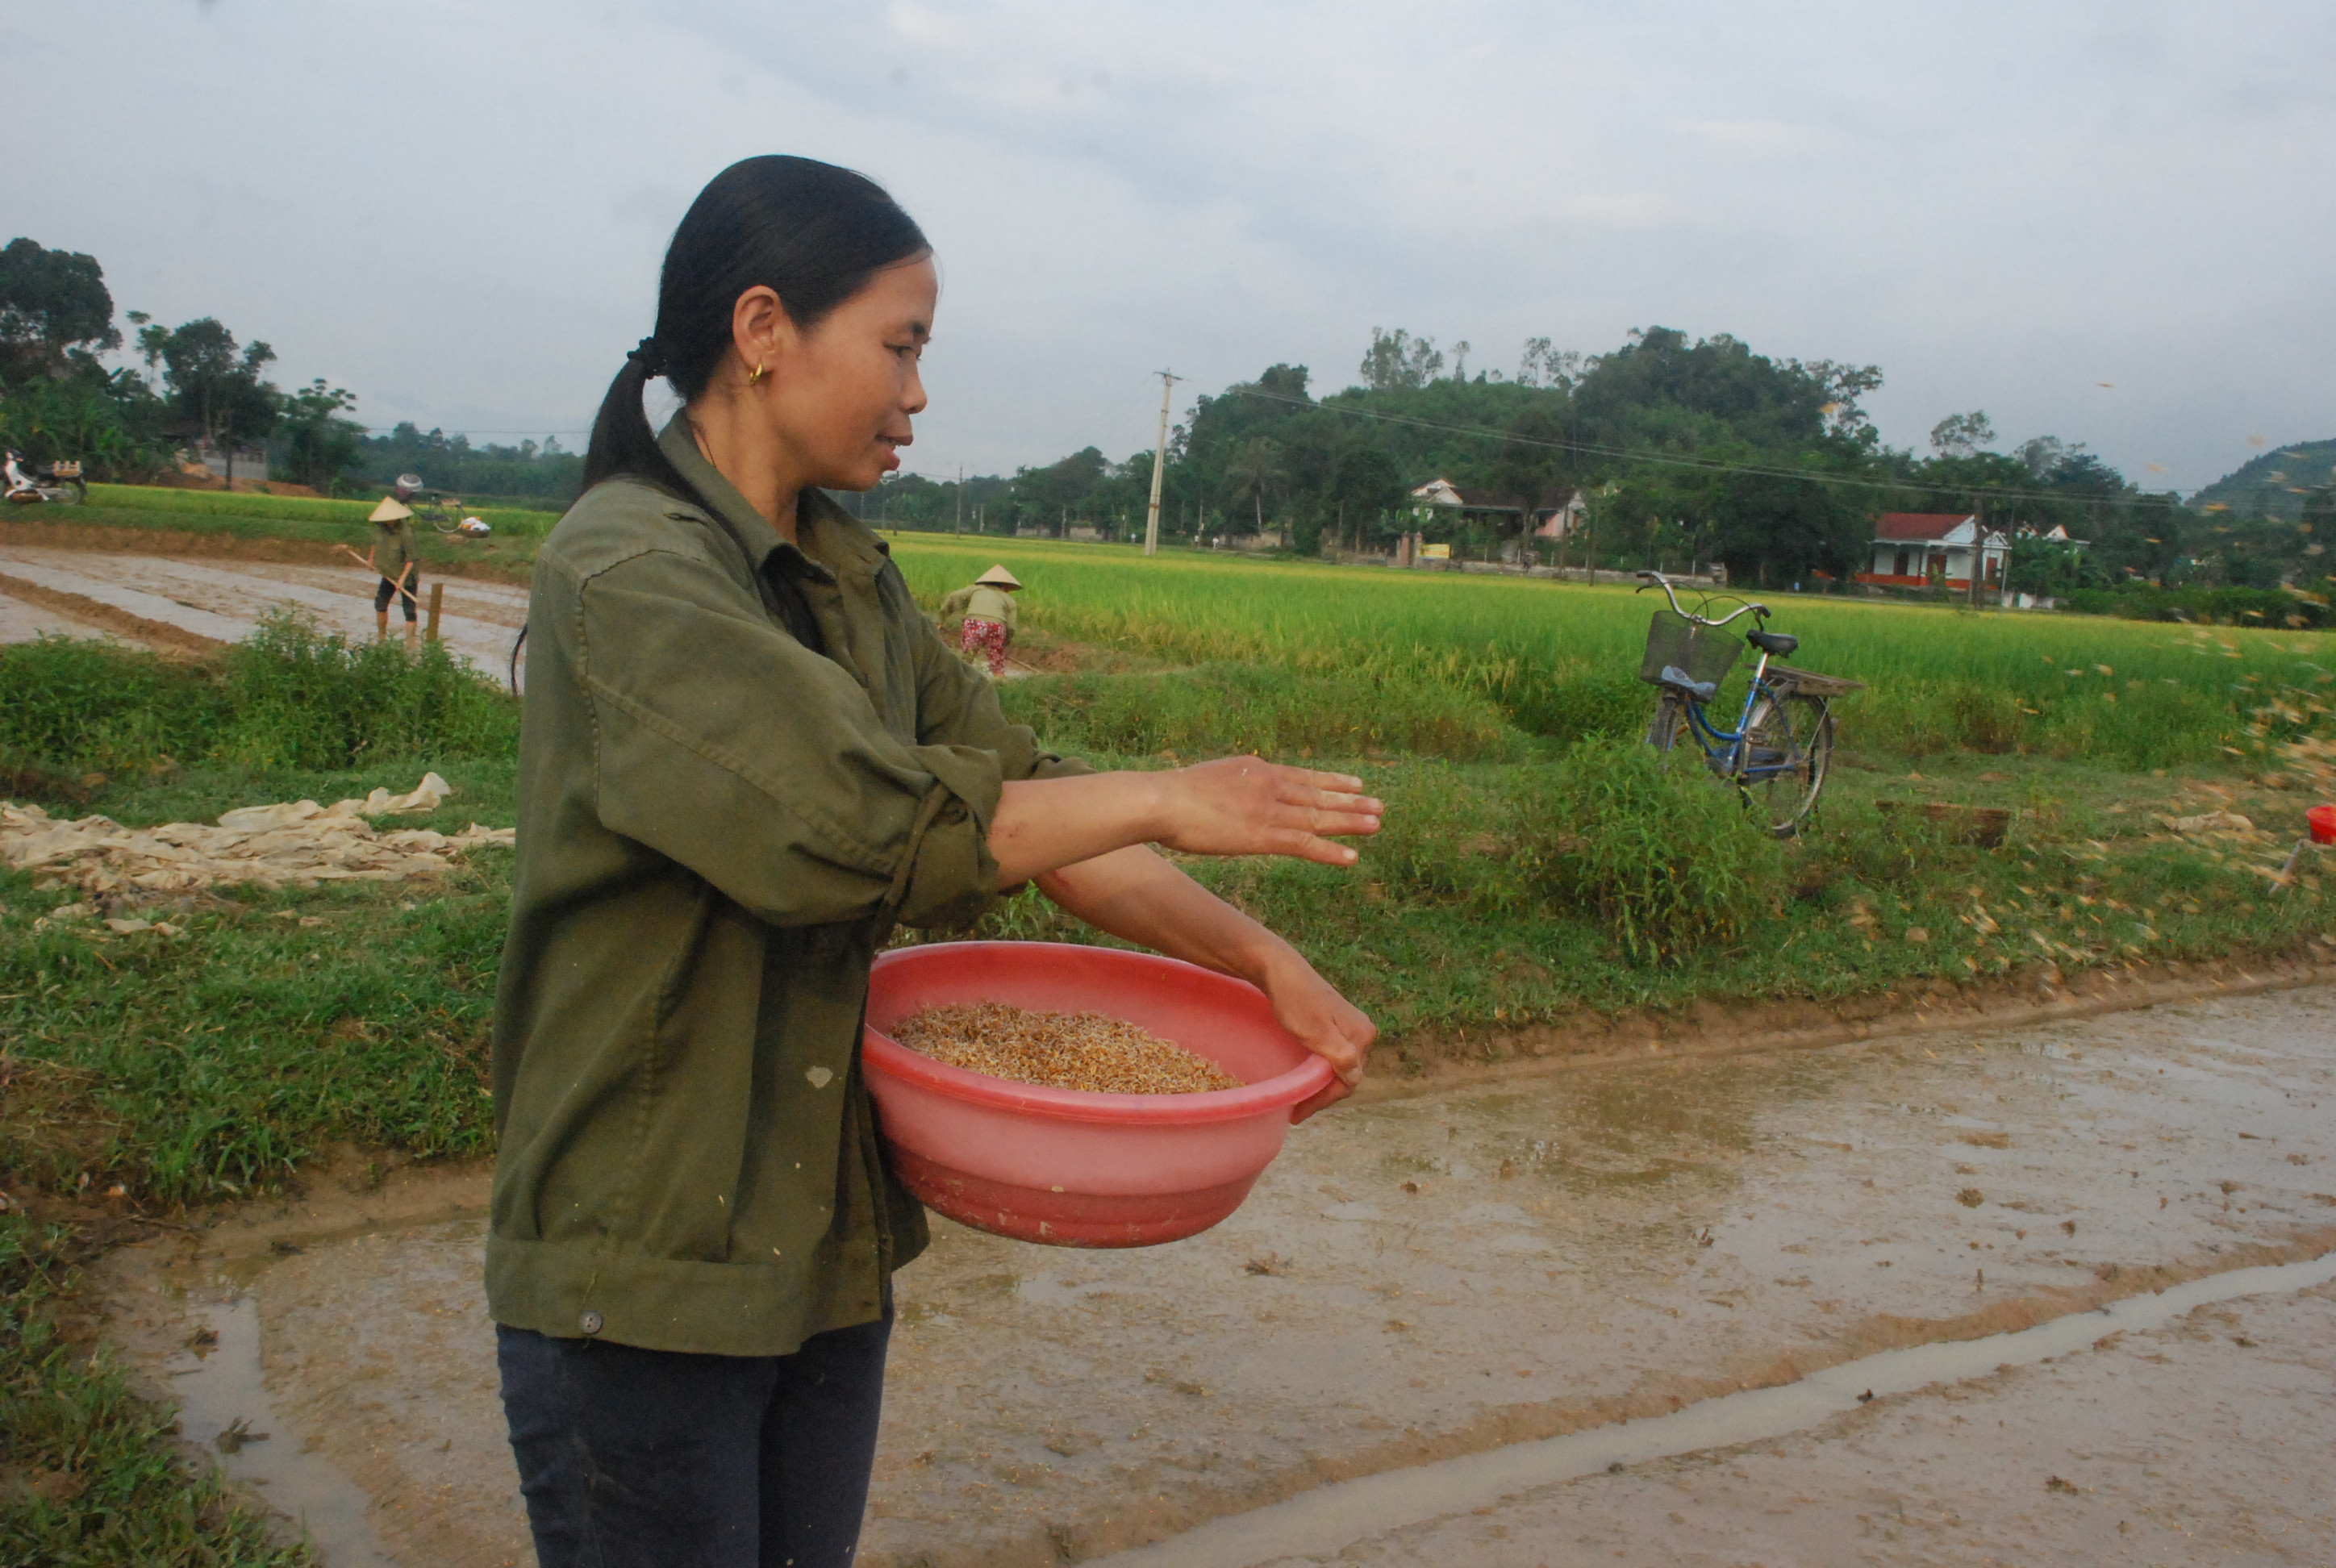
x: 386, y: 590
x: 632, y: 1458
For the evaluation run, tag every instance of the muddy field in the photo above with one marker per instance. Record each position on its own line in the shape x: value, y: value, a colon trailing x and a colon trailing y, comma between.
x: 221, y: 600
x: 1446, y: 1277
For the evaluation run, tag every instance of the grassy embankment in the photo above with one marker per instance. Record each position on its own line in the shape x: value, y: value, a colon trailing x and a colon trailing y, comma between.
x: 1486, y: 901
x: 132, y: 1070
x: 1536, y: 863
x: 304, y: 527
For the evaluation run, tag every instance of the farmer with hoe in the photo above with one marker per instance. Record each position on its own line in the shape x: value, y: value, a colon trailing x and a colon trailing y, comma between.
x: 391, y: 557
x: 747, y: 758
x: 988, y: 606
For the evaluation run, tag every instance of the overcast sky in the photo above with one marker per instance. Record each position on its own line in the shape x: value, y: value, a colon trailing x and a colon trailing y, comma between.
x: 458, y: 210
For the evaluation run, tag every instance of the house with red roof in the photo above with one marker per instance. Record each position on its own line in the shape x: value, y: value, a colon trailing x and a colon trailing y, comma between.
x: 1935, y: 550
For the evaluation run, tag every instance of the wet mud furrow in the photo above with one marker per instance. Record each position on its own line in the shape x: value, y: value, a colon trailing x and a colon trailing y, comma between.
x: 1433, y: 1513
x: 26, y: 615
x: 1433, y: 1275
x: 2144, y: 1435
x: 221, y: 601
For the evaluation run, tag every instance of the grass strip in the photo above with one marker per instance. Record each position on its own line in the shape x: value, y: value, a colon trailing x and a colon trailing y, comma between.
x: 89, y: 1475
x: 1560, y: 660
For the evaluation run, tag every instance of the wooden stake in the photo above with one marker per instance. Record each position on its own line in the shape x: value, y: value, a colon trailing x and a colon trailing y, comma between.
x: 437, y: 595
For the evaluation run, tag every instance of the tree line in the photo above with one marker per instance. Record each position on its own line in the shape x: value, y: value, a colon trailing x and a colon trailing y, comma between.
x: 1680, y: 451
x: 1676, y: 451
x: 195, y: 386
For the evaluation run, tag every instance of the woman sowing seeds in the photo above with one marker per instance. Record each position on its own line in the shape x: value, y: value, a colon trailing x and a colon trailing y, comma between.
x: 747, y: 757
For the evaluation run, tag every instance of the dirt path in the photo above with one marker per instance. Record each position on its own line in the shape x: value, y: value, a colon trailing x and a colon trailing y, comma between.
x: 1432, y: 1276
x: 222, y: 599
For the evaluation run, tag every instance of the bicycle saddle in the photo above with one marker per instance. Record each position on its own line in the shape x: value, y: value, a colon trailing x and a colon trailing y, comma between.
x: 1773, y: 642
x: 1701, y: 690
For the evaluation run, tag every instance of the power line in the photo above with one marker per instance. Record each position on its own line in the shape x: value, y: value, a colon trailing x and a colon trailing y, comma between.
x: 1628, y: 455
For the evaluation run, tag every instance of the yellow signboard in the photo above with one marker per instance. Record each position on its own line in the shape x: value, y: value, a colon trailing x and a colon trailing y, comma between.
x: 1436, y: 552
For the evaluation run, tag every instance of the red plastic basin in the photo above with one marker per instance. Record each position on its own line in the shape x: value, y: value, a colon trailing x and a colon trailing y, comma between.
x: 1062, y: 1166
x: 2323, y: 824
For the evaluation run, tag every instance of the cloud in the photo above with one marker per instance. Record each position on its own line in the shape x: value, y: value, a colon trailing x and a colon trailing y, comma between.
x: 1751, y: 138
x: 459, y: 210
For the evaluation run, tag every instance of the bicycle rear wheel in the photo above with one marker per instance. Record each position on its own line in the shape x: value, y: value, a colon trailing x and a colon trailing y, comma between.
x: 1789, y: 746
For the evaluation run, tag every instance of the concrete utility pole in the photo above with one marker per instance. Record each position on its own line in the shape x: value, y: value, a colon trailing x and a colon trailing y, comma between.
x: 1158, y: 465
x: 960, y: 500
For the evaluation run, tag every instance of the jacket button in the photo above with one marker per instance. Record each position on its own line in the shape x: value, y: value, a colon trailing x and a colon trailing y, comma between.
x: 590, y: 1322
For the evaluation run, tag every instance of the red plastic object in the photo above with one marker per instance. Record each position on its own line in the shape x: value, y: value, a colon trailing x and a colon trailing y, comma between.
x: 2323, y: 824
x: 1062, y: 1166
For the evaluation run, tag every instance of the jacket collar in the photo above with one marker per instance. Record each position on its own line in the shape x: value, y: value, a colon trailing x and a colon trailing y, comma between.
x: 830, y: 538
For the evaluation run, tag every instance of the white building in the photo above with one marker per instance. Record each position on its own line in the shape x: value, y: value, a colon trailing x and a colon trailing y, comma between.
x: 1508, y: 516
x: 1926, y: 549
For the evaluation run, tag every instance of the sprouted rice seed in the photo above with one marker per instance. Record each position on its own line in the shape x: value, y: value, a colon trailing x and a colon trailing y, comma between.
x: 1058, y: 1050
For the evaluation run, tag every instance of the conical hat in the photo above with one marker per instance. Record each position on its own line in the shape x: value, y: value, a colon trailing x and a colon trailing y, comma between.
x: 389, y: 511
x: 998, y: 577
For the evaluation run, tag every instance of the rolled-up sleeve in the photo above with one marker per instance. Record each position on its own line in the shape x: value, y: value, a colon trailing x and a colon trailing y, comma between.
x: 723, y: 744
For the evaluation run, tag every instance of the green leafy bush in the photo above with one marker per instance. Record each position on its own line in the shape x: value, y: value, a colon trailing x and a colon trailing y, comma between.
x: 1669, y: 858
x: 304, y: 698
x: 85, y: 704
x: 292, y: 696
x: 1575, y: 702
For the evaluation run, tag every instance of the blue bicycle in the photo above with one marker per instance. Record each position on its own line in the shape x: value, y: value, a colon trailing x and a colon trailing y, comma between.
x: 1777, y: 753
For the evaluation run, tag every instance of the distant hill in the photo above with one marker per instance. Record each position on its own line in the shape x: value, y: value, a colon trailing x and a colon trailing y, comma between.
x: 2269, y: 485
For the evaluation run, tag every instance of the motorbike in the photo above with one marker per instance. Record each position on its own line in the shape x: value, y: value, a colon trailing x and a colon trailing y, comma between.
x: 60, y: 483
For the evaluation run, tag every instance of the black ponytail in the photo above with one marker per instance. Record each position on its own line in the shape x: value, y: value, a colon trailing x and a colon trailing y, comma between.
x: 813, y: 233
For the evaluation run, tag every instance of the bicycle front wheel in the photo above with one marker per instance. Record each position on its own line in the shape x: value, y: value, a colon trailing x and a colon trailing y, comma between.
x: 1788, y: 744
x: 1662, y: 732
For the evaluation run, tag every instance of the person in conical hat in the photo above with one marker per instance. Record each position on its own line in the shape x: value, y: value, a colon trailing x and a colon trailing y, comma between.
x: 391, y: 558
x: 988, y: 606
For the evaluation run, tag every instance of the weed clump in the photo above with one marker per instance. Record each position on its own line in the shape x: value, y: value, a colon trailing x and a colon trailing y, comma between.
x: 300, y: 698
x: 1671, y: 860
x: 292, y: 696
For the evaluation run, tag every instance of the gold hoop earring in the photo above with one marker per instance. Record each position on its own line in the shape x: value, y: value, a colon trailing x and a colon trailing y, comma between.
x: 757, y: 374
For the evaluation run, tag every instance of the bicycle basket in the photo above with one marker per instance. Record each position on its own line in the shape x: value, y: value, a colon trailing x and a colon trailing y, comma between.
x: 1706, y: 653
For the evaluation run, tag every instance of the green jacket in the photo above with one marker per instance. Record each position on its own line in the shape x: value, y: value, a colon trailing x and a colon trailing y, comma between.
x: 393, y: 547
x: 718, y: 828
x: 980, y: 601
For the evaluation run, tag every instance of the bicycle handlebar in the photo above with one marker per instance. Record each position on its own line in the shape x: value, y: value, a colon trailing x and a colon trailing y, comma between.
x: 1659, y: 581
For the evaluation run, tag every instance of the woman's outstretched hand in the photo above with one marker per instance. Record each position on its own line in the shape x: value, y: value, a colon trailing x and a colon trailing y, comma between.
x: 1245, y: 806
x: 1241, y: 805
